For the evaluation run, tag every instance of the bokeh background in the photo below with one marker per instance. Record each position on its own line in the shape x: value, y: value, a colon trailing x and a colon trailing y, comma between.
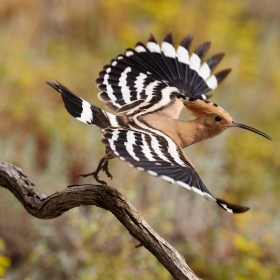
x: 70, y: 41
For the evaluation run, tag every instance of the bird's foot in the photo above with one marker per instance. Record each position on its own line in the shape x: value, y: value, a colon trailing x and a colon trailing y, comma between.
x: 103, y: 165
x: 95, y: 176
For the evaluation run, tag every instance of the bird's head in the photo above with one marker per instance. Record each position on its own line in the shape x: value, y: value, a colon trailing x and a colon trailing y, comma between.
x: 214, y: 118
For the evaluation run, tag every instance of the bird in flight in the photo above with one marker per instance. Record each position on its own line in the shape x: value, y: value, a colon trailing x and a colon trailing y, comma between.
x: 147, y: 87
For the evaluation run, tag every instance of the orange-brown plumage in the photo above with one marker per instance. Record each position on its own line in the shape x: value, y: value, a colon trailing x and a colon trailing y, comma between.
x: 210, y: 121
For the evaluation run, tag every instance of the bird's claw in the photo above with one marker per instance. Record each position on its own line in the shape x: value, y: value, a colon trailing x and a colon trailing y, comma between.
x: 95, y: 176
x: 103, y: 165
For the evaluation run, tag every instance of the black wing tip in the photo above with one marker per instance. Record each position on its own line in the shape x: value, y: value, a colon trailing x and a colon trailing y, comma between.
x: 222, y: 75
x: 63, y: 90
x: 58, y: 86
x: 214, y: 60
x: 205, y: 45
x: 139, y: 44
x: 169, y: 37
x: 54, y: 85
x: 219, y: 56
x: 232, y: 208
x: 202, y: 49
x: 99, y: 81
x: 152, y: 38
x: 186, y: 41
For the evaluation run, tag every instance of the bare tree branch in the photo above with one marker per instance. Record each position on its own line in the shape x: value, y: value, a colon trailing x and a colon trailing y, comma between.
x: 47, y: 207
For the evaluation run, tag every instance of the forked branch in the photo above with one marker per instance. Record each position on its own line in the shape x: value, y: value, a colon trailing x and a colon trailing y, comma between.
x: 47, y: 207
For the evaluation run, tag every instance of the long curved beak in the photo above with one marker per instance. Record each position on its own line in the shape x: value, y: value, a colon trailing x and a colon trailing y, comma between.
x: 244, y: 126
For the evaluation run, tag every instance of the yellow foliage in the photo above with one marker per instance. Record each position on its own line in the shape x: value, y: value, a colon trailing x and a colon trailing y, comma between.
x: 246, y: 246
x: 4, y: 261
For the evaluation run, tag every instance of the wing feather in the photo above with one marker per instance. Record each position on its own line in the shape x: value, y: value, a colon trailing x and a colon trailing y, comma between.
x: 152, y: 153
x: 168, y: 72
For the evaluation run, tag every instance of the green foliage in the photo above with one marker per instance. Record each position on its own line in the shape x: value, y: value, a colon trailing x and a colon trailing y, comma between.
x: 70, y: 42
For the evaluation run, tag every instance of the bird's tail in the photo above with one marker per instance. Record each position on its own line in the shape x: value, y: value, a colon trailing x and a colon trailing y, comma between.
x: 82, y: 110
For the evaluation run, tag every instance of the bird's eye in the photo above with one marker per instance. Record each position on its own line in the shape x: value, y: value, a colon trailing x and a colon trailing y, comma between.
x: 218, y: 119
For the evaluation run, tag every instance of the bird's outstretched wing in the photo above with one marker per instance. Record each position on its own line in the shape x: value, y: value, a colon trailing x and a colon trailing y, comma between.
x: 151, y: 75
x: 159, y: 156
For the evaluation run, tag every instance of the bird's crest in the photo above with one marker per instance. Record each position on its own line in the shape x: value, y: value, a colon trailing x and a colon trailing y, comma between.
x: 200, y: 107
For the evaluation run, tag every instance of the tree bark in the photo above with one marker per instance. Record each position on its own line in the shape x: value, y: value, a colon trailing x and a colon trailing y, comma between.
x: 48, y: 207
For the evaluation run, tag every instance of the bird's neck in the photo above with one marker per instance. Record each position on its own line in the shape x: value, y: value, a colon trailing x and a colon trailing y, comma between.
x: 193, y: 131
x: 183, y: 133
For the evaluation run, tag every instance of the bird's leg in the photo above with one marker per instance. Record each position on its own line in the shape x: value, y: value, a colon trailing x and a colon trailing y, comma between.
x: 106, y: 170
x: 102, y: 165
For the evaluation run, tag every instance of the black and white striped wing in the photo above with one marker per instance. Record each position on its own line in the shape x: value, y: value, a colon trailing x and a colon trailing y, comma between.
x: 159, y: 156
x: 149, y: 75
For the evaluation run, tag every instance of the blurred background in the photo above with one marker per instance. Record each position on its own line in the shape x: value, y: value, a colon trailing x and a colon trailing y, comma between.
x: 70, y: 42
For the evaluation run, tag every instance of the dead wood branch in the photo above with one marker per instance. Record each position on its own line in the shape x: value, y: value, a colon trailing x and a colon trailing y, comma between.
x: 48, y: 207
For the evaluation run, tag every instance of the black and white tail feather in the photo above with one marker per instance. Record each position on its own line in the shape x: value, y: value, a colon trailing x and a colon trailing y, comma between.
x: 151, y: 77
x: 84, y: 111
x: 146, y: 151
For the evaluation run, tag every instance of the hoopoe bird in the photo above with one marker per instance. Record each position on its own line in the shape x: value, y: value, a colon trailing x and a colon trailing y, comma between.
x: 147, y: 87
